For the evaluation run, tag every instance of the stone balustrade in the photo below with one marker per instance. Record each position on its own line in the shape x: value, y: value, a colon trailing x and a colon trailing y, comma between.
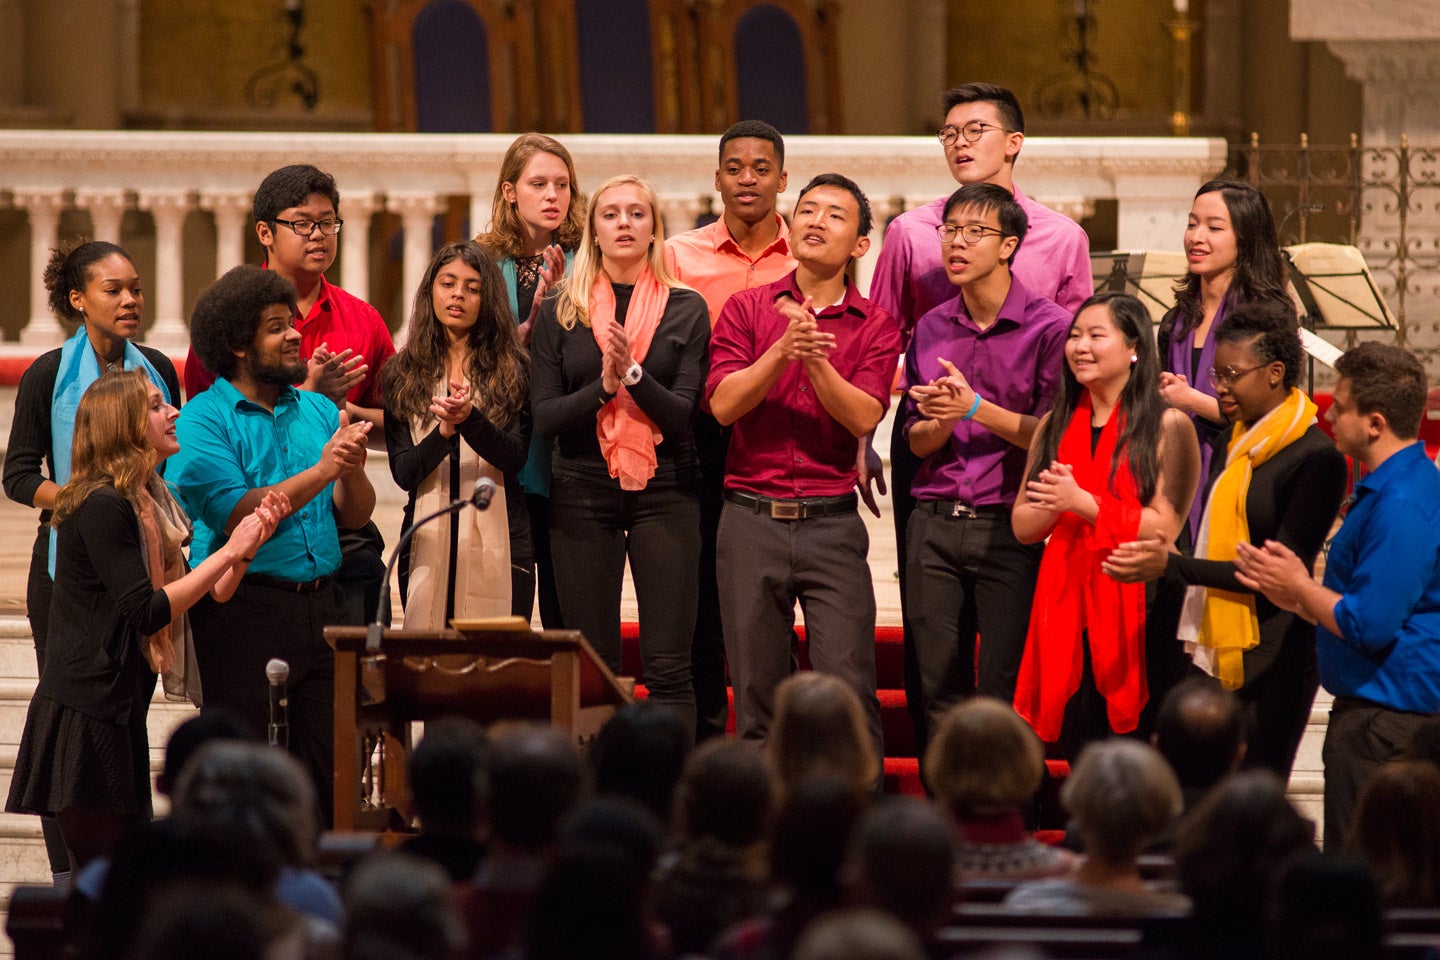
x: 167, y: 174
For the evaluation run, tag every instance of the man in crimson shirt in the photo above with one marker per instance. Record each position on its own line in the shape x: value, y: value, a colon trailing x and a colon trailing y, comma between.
x: 802, y: 369
x: 343, y: 339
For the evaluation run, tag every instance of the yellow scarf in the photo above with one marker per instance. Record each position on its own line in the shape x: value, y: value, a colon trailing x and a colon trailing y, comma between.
x: 1218, y: 626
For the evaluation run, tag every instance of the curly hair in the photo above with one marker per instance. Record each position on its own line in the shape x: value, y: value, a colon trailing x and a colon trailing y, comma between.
x: 68, y: 269
x: 110, y: 447
x: 505, y: 239
x: 227, y: 315
x: 497, y: 365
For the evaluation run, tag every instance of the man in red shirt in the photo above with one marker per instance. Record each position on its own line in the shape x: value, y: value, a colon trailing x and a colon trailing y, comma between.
x: 802, y: 369
x: 747, y: 247
x: 343, y: 339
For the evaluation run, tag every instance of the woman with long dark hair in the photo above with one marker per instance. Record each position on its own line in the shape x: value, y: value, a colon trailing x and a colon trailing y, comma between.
x: 620, y: 356
x: 1109, y: 464
x: 121, y: 592
x: 461, y: 375
x: 536, y: 221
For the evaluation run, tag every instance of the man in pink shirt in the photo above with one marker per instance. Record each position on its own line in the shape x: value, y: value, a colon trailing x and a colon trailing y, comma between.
x: 749, y: 246
x: 983, y: 132
x: 802, y: 369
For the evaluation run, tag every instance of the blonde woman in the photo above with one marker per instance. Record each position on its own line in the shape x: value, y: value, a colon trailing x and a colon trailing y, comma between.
x: 618, y: 359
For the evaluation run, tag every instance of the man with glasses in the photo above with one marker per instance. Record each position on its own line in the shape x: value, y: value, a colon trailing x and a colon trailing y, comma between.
x: 343, y: 339
x: 982, y: 368
x: 983, y: 132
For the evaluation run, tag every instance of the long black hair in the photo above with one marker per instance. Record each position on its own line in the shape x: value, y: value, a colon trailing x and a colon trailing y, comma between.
x: 1140, y: 401
x: 1259, y: 267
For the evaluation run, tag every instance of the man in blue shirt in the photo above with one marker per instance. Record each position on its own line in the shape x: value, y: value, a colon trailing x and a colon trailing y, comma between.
x: 1378, y: 611
x: 250, y: 433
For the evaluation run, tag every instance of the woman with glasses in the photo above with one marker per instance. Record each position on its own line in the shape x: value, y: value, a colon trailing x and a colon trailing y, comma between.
x: 1280, y: 478
x: 536, y: 220
x: 1109, y: 464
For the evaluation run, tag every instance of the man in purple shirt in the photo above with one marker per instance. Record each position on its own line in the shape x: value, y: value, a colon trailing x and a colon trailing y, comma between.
x: 802, y: 369
x: 982, y: 136
x: 983, y: 368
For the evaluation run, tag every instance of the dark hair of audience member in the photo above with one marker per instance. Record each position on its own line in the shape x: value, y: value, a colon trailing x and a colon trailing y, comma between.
x: 536, y: 778
x: 215, y: 923
x: 448, y: 776
x: 639, y: 753
x: 166, y: 855
x: 397, y: 907
x: 618, y: 823
x: 1396, y: 830
x: 902, y: 861
x: 591, y: 905
x: 1325, y: 907
x: 1387, y: 380
x: 819, y: 729
x: 1200, y: 730
x: 811, y: 837
x: 214, y: 724
x: 725, y: 792
x: 255, y: 790
x: 227, y: 315
x: 1227, y: 853
x: 858, y: 935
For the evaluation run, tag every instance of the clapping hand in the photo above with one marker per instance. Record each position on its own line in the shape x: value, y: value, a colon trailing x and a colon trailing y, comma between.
x: 1054, y: 489
x: 550, y: 273
x: 258, y: 525
x: 803, y: 339
x: 334, y: 374
x: 453, y: 409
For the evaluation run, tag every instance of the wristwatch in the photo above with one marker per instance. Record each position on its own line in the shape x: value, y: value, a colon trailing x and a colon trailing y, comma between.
x: 633, y: 375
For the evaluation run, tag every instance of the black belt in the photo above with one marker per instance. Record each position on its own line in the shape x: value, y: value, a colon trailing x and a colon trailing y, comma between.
x: 955, y: 508
x: 289, y: 586
x: 802, y: 509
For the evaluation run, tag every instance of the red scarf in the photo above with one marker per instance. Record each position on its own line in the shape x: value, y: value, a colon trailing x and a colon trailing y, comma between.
x: 1073, y: 596
x: 627, y: 437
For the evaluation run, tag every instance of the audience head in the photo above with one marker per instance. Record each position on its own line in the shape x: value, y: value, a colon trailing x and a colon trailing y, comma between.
x: 983, y: 132
x: 535, y: 780
x: 1200, y: 731
x: 811, y: 834
x: 397, y: 907
x: 819, y: 728
x: 751, y: 173
x: 235, y: 315
x: 858, y: 935
x: 217, y: 923
x: 95, y: 283
x: 725, y: 792
x: 1325, y: 908
x: 1381, y: 386
x: 1396, y: 830
x: 902, y: 860
x: 255, y: 790
x: 983, y: 759
x: 449, y: 777
x: 639, y: 753
x: 593, y: 904
x: 1122, y: 795
x: 617, y: 823
x: 537, y: 197
x: 214, y: 724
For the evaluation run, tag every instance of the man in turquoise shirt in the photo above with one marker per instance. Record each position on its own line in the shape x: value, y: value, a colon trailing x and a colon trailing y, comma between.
x: 1378, y: 611
x: 250, y: 433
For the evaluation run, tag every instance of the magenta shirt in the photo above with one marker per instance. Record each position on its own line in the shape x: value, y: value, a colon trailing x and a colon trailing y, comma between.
x: 789, y: 446
x: 910, y: 279
x: 1014, y: 364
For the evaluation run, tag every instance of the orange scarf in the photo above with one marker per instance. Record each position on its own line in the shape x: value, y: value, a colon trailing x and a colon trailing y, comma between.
x: 1073, y: 596
x: 627, y: 436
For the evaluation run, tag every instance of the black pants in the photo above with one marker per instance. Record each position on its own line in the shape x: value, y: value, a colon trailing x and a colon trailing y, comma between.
x: 362, y: 570
x: 1361, y: 737
x: 593, y: 528
x: 38, y: 589
x: 233, y: 642
x: 1278, y: 705
x: 968, y: 579
x: 903, y: 467
x: 707, y: 648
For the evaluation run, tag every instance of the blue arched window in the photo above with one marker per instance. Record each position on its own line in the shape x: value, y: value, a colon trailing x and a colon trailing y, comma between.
x: 770, y: 69
x: 452, y: 69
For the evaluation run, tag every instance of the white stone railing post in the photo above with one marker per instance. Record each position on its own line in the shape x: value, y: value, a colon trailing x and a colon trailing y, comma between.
x: 417, y: 216
x: 107, y: 207
x: 357, y: 209
x: 43, y: 209
x: 680, y: 212
x: 169, y: 208
x: 231, y: 210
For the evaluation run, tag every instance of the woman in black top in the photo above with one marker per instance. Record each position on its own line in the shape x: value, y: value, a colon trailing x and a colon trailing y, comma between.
x: 121, y: 589
x: 619, y: 357
x: 1296, y: 479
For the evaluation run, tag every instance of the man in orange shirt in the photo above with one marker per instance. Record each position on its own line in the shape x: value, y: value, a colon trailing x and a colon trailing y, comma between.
x: 748, y: 246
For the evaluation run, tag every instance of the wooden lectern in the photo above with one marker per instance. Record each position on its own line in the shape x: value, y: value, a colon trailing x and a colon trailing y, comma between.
x: 487, y: 675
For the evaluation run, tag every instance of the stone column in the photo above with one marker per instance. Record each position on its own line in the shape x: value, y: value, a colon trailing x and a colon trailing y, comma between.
x: 232, y: 217
x: 169, y: 209
x: 107, y: 208
x: 1150, y: 216
x: 417, y: 215
x: 357, y: 209
x: 881, y: 210
x: 680, y: 212
x: 43, y: 208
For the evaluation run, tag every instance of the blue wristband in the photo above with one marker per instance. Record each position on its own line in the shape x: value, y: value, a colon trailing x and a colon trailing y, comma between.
x: 973, y: 407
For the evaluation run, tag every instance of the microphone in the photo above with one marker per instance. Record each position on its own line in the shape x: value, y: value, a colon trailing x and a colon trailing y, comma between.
x: 483, y: 494
x: 277, y: 671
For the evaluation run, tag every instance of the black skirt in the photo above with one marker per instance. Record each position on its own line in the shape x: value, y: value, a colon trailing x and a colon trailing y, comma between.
x: 68, y: 761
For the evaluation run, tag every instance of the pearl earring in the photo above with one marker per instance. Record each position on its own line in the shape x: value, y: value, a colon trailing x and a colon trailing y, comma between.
x: 1134, y: 358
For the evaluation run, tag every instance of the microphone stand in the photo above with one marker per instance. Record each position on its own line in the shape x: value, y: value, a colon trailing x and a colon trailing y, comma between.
x: 376, y: 629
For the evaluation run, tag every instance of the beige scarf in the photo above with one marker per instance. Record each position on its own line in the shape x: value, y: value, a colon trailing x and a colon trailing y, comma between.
x: 164, y: 532
x: 482, y: 556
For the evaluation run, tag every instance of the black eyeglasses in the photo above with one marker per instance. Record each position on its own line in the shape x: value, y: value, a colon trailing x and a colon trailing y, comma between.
x: 306, y: 227
x: 972, y: 232
x: 972, y: 132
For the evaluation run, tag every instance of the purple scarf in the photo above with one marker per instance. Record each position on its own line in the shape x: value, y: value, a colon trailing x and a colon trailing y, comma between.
x: 1179, y: 362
